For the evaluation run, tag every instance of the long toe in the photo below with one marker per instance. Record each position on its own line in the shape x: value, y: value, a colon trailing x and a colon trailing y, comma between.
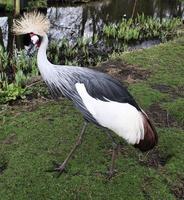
x: 59, y: 168
x: 111, y: 173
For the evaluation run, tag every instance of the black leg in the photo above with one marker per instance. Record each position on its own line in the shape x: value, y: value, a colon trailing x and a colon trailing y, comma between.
x: 61, y: 168
x: 112, y: 170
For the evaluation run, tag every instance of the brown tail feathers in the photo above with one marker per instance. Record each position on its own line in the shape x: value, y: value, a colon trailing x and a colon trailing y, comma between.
x: 150, y: 135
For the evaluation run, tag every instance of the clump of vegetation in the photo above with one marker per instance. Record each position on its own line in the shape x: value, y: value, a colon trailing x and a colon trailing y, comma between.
x: 9, y: 6
x: 84, y: 52
x: 13, y: 87
x: 142, y: 28
x: 36, y: 4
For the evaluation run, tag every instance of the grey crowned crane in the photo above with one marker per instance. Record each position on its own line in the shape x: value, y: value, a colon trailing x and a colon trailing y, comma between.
x: 100, y: 98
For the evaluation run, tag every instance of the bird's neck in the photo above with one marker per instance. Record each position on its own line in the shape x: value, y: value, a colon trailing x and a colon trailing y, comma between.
x: 46, y: 68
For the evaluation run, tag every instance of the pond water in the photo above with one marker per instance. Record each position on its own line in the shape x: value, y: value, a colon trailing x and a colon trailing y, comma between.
x: 86, y: 20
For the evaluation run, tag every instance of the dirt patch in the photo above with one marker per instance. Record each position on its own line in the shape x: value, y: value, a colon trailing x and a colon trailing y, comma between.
x: 19, y: 106
x: 173, y: 92
x: 160, y: 116
x: 178, y: 189
x: 124, y: 72
x: 10, y: 139
x: 155, y: 159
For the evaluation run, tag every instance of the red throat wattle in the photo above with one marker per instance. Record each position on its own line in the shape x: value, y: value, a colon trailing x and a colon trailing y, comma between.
x: 38, y: 43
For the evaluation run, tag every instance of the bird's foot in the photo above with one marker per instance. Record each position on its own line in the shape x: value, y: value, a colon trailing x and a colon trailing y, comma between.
x: 60, y: 168
x: 111, y: 173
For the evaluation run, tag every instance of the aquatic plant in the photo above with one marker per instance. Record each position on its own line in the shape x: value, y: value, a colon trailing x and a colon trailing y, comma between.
x: 141, y: 28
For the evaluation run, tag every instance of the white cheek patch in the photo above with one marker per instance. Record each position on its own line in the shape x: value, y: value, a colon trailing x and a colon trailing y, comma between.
x: 34, y: 39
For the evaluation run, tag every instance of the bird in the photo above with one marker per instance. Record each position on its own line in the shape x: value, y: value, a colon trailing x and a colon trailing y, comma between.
x: 101, y: 99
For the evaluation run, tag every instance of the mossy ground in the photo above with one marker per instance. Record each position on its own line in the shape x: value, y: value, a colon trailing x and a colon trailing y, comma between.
x: 33, y: 136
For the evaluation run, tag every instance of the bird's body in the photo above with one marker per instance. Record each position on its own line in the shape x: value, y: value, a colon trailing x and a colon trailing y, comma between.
x: 100, y: 98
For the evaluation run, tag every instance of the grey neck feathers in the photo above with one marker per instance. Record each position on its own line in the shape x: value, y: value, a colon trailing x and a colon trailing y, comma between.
x: 57, y: 77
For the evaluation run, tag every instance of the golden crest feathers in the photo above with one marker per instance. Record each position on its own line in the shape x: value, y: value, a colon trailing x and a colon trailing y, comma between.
x: 34, y: 22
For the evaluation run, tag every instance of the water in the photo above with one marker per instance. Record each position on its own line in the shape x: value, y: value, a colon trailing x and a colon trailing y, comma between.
x: 86, y: 20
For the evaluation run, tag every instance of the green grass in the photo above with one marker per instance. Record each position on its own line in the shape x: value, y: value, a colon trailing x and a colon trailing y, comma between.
x: 145, y: 95
x: 175, y: 108
x: 166, y: 63
x: 32, y: 137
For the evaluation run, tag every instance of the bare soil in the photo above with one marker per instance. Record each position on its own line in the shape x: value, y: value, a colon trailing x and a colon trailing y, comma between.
x: 174, y: 92
x: 123, y: 72
x: 155, y: 158
x: 178, y: 189
x: 160, y: 116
